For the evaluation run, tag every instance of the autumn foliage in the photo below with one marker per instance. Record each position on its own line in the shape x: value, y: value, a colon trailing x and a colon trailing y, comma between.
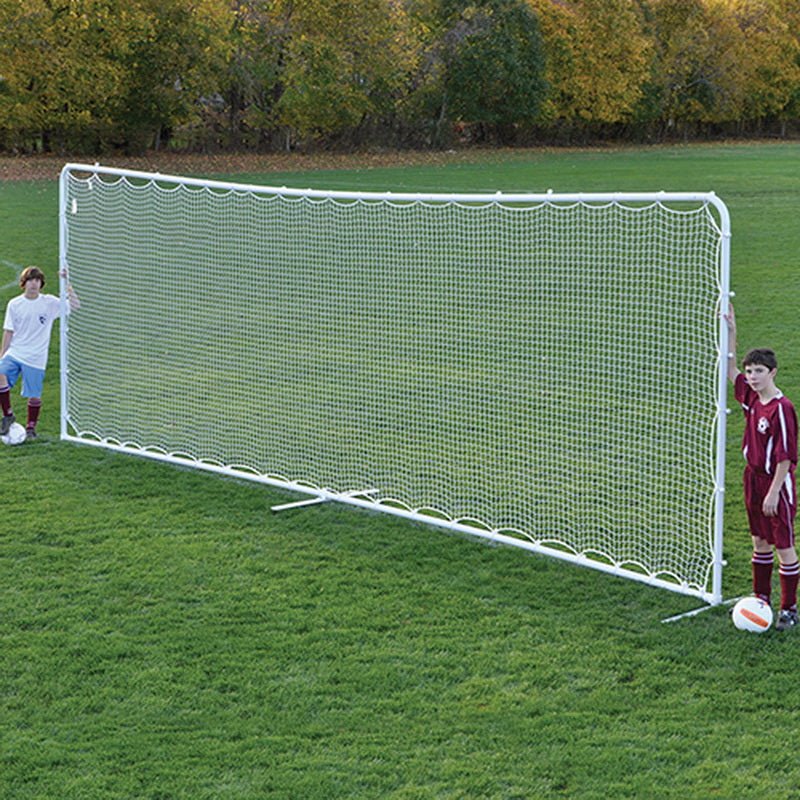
x: 91, y: 76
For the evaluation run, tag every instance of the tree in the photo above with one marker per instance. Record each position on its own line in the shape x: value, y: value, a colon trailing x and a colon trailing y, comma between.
x: 174, y: 58
x: 493, y: 65
x: 86, y: 74
x: 252, y: 81
x: 59, y: 73
x: 343, y: 64
x: 701, y: 51
x: 598, y: 59
x: 769, y: 73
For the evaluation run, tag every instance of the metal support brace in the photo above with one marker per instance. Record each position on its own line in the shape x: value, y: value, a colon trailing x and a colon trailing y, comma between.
x: 697, y: 611
x: 312, y: 501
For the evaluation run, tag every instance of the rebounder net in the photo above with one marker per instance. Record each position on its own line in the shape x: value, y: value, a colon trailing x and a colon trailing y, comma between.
x: 540, y: 368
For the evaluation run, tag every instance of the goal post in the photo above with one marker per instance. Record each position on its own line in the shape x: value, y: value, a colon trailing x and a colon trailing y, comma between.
x: 543, y: 370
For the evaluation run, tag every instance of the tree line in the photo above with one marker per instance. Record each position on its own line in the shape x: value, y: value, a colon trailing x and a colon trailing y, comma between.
x: 91, y: 76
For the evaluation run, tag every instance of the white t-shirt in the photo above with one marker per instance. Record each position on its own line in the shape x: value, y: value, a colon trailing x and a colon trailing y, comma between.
x: 31, y: 321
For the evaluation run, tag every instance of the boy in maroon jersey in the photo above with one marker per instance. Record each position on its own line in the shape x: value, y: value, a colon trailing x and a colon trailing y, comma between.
x: 770, y: 450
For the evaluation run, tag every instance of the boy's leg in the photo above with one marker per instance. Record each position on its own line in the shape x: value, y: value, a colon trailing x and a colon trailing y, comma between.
x: 5, y: 397
x: 32, y: 385
x: 789, y: 574
x: 761, y: 529
x: 787, y: 556
x: 789, y: 571
x: 6, y: 371
x: 34, y: 407
x: 762, y: 562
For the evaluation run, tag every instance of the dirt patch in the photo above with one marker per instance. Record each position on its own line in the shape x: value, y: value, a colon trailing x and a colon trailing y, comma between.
x: 29, y: 168
x: 26, y: 168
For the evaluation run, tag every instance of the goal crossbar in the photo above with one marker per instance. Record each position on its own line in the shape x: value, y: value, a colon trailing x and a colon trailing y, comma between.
x: 459, y: 352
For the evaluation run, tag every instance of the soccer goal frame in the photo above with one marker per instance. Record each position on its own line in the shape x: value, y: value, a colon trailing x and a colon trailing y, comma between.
x: 496, y: 364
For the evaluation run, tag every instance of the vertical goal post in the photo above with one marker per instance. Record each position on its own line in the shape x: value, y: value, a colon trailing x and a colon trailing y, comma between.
x: 543, y: 370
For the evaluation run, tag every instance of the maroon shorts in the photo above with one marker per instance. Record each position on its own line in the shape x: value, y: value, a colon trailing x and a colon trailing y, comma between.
x: 777, y: 530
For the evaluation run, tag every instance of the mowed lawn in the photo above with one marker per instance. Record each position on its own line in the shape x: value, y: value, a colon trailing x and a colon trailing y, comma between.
x: 165, y: 636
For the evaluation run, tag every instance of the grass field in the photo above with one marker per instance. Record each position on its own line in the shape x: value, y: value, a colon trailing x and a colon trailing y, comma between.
x: 164, y: 636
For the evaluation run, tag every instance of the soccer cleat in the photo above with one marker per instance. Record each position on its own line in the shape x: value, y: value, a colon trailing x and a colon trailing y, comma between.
x: 6, y: 423
x: 786, y: 620
x: 30, y: 434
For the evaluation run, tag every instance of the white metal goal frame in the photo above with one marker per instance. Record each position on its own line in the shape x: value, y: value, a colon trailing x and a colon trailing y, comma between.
x: 88, y: 269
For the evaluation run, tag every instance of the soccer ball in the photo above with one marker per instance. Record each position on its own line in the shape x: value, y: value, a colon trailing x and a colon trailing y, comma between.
x: 752, y: 614
x: 15, y: 435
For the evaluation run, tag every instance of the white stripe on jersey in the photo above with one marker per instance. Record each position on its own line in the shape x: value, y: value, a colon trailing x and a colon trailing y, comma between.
x: 783, y: 425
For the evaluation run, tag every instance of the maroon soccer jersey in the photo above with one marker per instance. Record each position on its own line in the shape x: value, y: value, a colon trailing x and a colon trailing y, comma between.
x: 770, y: 434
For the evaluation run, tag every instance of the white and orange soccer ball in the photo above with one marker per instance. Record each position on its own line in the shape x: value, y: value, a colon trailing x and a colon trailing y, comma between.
x: 16, y: 434
x: 752, y: 614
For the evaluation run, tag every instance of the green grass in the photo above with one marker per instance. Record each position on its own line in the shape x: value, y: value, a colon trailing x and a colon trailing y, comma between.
x: 164, y: 636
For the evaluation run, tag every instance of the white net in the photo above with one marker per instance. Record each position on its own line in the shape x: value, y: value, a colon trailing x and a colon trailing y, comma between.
x: 541, y: 369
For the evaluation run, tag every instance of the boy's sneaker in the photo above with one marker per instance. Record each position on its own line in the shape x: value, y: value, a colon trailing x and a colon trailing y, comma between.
x: 786, y: 620
x: 30, y: 434
x: 5, y: 424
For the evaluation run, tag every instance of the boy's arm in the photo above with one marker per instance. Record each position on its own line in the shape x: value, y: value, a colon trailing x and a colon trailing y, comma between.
x: 7, y: 335
x: 730, y: 318
x: 770, y: 504
x: 73, y: 299
x: 72, y: 296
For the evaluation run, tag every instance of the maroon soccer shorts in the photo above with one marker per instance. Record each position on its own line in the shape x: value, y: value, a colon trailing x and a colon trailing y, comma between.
x: 777, y: 530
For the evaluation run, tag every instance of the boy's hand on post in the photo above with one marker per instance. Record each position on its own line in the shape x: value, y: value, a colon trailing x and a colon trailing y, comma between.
x: 730, y: 317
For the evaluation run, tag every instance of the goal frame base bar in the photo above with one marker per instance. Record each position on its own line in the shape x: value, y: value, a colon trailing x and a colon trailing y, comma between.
x: 358, y: 498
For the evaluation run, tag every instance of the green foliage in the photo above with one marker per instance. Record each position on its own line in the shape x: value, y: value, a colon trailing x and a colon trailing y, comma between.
x: 700, y: 49
x: 97, y: 75
x: 60, y: 71
x: 84, y: 76
x: 175, y: 54
x: 598, y: 59
x: 164, y: 636
x: 768, y: 71
x: 493, y: 64
x: 316, y: 69
x: 251, y: 81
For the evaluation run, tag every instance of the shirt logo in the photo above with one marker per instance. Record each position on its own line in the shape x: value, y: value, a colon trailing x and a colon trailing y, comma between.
x: 763, y: 425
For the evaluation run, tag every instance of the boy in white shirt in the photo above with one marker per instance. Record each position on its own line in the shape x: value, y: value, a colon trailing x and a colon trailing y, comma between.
x: 26, y: 340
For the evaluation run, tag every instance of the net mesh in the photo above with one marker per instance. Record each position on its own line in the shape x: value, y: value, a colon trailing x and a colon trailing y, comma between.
x: 546, y: 370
